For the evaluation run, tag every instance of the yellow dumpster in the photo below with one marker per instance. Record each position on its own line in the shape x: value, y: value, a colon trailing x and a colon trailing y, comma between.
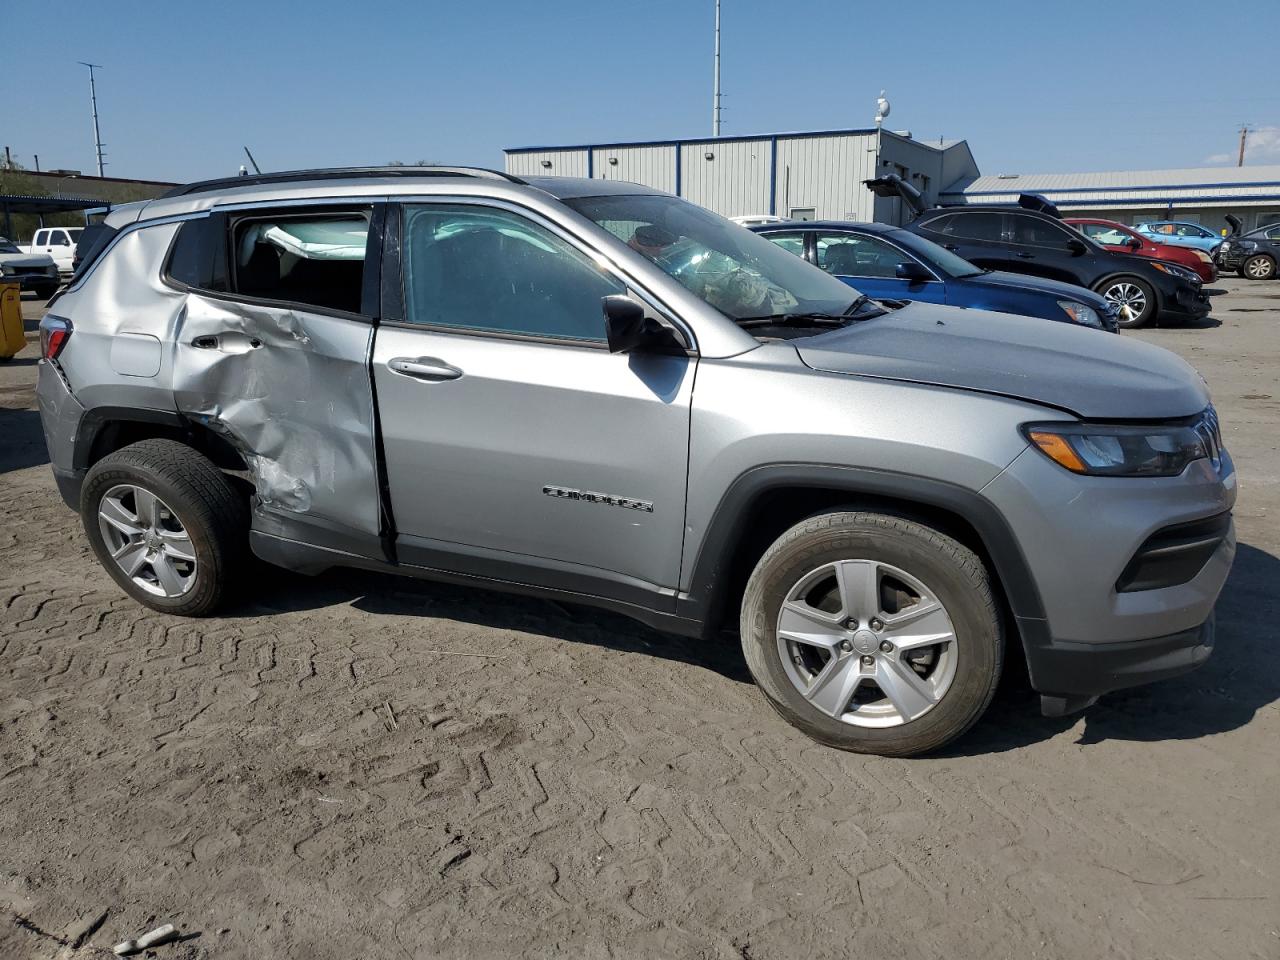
x: 12, y: 338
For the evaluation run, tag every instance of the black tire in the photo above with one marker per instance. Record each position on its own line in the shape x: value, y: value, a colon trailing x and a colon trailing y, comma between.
x: 1127, y: 320
x: 1258, y: 267
x: 955, y: 575
x: 215, y: 517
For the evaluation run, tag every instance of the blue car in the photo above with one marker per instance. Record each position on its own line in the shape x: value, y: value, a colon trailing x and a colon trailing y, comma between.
x: 1181, y: 234
x: 889, y: 263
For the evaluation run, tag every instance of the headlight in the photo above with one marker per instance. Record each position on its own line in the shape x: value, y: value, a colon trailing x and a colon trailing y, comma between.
x: 6, y: 270
x: 1202, y: 255
x: 1123, y: 450
x: 1080, y: 313
x: 1176, y: 271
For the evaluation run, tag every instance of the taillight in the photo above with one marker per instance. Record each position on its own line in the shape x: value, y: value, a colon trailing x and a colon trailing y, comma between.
x: 54, y: 334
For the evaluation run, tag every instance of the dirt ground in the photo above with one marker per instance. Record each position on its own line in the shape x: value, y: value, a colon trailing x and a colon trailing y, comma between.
x: 359, y: 766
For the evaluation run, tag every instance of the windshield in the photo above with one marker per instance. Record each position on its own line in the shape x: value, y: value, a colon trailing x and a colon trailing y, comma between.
x: 742, y: 275
x: 936, y: 255
x: 8, y: 247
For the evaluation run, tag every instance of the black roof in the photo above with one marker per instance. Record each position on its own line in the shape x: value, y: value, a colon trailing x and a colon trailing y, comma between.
x: 792, y: 225
x: 336, y: 173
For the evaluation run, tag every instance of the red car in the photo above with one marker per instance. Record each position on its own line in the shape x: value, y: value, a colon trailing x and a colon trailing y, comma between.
x: 1124, y: 240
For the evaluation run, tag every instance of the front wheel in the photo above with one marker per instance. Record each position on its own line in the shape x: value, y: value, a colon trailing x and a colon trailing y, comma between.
x: 166, y: 524
x: 873, y: 633
x: 1135, y: 298
x: 1260, y: 267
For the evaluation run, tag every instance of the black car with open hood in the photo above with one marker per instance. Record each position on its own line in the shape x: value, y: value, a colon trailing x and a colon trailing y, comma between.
x: 1031, y: 239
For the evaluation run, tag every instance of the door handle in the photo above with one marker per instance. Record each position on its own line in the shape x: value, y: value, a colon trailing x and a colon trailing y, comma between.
x: 430, y: 369
x: 1025, y: 256
x: 950, y: 246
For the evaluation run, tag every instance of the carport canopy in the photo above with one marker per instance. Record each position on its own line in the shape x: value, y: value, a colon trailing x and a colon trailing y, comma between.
x: 18, y: 203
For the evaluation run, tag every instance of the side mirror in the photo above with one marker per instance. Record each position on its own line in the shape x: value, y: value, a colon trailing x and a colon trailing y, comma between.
x: 915, y: 272
x: 1076, y: 247
x: 1133, y: 243
x: 629, y: 330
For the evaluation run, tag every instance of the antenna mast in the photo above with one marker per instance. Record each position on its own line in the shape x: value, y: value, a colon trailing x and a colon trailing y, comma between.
x: 93, y: 99
x: 715, y: 97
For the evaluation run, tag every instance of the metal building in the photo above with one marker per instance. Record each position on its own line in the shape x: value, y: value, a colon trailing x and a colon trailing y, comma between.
x: 1201, y: 195
x: 804, y: 176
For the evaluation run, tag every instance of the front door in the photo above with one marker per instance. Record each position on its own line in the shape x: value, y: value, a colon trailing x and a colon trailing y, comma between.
x: 517, y: 446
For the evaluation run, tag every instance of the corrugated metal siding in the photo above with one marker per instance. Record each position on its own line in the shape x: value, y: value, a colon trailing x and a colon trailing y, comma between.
x: 1200, y: 195
x: 733, y: 184
x: 564, y: 163
x: 1120, y: 181
x: 826, y: 174
x: 653, y: 166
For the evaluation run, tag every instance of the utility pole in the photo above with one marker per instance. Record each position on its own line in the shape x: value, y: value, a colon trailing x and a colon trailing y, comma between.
x: 1244, y: 135
x: 93, y: 99
x: 715, y: 97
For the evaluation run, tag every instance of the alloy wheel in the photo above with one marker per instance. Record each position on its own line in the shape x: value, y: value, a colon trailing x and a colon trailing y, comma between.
x: 866, y: 643
x: 1259, y: 268
x: 1129, y: 297
x: 147, y: 541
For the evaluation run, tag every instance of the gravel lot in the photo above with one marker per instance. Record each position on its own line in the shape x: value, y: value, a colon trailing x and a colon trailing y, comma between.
x: 362, y: 766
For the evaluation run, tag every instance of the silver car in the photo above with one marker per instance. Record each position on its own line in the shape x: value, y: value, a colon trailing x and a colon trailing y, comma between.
x: 599, y: 392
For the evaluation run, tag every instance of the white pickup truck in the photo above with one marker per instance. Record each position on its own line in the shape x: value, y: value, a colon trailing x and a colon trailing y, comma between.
x: 33, y: 271
x: 58, y: 242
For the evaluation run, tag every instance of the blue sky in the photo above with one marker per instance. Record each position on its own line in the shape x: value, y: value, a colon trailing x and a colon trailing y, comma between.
x: 1034, y: 86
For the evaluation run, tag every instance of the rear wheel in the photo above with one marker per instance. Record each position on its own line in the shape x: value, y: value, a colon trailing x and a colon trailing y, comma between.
x: 166, y: 524
x: 873, y: 633
x: 1135, y: 298
x: 1259, y: 267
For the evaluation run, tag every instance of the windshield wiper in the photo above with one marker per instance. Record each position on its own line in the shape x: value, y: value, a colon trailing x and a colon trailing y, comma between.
x: 795, y: 319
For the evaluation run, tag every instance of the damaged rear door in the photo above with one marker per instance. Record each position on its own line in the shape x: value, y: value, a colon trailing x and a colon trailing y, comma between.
x: 271, y: 352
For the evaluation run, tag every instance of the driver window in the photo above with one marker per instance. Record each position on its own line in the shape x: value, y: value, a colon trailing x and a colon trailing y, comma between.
x: 1107, y: 236
x: 1038, y: 233
x: 851, y: 255
x: 489, y: 270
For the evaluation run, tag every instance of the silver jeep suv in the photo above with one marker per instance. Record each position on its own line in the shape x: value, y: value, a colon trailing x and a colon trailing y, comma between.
x: 595, y: 391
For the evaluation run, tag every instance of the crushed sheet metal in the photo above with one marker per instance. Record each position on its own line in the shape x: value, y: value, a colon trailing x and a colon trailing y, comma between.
x: 290, y: 390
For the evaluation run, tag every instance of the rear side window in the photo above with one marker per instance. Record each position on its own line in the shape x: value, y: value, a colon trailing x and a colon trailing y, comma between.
x: 92, y: 242
x: 313, y: 258
x: 979, y: 225
x: 790, y: 242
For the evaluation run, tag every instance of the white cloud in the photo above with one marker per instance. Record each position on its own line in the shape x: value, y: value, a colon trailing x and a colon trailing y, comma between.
x: 1263, y: 146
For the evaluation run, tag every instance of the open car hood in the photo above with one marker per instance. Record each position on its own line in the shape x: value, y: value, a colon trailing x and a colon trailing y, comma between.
x: 1234, y: 223
x: 1086, y: 372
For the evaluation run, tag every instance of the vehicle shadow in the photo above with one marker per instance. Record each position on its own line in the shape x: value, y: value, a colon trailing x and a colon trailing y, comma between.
x: 1241, y: 678
x: 23, y: 440
x: 280, y: 591
x: 1204, y: 323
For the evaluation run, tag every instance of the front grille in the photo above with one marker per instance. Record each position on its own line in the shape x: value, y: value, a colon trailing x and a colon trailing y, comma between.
x: 1209, y: 429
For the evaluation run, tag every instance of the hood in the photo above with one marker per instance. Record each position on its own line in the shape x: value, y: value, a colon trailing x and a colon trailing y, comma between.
x: 26, y: 259
x: 1092, y: 374
x: 1234, y: 223
x: 1022, y: 281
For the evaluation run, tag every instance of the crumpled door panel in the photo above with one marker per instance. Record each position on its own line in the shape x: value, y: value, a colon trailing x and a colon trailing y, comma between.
x: 289, y: 389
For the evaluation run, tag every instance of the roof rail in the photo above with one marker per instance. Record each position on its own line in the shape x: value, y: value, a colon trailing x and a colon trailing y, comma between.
x: 336, y: 173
